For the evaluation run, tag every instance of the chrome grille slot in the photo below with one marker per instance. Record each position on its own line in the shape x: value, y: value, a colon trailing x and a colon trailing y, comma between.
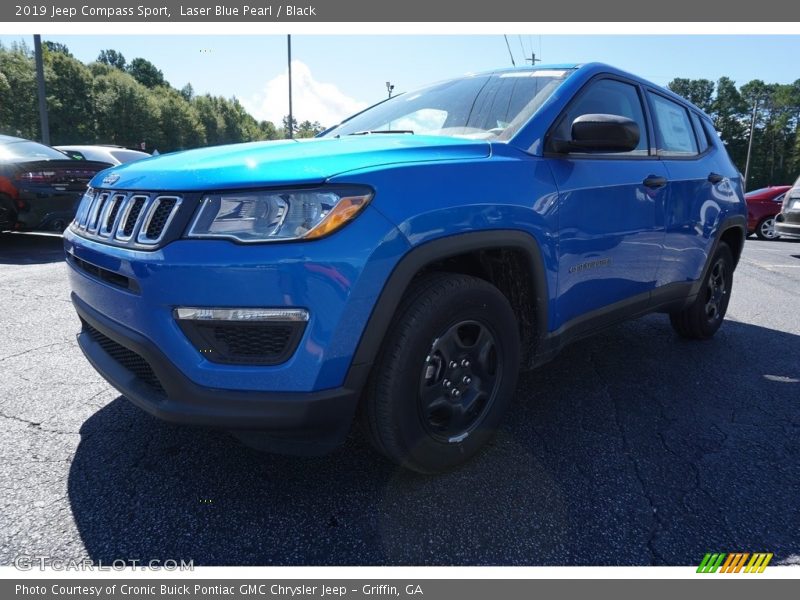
x: 111, y: 212
x: 131, y: 219
x: 130, y: 216
x: 158, y: 217
x: 96, y: 212
x: 84, y: 208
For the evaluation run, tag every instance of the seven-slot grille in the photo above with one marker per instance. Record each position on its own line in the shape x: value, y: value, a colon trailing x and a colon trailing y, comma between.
x: 126, y: 218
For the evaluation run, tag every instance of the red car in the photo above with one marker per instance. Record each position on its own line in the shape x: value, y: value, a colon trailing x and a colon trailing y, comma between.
x: 762, y: 206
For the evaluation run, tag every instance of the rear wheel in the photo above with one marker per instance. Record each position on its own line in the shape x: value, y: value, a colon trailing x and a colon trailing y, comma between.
x: 701, y: 319
x: 766, y: 229
x: 445, y: 374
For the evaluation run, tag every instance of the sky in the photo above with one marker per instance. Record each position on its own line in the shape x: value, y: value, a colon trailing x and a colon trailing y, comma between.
x: 335, y: 76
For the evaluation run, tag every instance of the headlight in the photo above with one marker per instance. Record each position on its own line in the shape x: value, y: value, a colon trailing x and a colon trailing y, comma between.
x: 278, y: 215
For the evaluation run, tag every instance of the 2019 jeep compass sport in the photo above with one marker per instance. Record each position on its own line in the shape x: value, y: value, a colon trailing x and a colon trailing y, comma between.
x: 409, y: 262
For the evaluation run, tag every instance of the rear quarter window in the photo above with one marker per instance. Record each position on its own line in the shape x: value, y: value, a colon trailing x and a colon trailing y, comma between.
x: 703, y: 142
x: 674, y: 132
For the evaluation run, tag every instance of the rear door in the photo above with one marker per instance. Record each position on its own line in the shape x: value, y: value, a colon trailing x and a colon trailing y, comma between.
x: 611, y: 209
x: 699, y: 183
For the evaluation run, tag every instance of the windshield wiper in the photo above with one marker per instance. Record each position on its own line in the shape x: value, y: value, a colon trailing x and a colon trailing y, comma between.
x: 371, y: 131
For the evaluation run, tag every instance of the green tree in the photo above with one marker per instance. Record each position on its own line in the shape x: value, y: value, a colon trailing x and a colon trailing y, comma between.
x: 187, y: 92
x: 146, y: 73
x: 180, y: 125
x: 69, y: 99
x: 729, y: 111
x: 285, y: 126
x: 307, y: 129
x: 125, y: 110
x: 56, y: 47
x: 18, y: 104
x: 210, y: 119
x: 268, y: 130
x: 700, y: 92
x: 6, y: 107
x: 112, y: 58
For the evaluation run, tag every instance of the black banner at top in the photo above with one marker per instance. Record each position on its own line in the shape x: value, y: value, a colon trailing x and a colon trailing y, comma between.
x: 401, y: 11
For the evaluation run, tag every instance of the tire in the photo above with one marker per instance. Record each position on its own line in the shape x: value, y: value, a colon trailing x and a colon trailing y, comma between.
x: 703, y: 317
x: 766, y: 229
x: 445, y: 374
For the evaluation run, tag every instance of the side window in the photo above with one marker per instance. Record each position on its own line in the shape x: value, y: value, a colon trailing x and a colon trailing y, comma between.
x: 609, y: 97
x: 700, y: 132
x: 673, y: 129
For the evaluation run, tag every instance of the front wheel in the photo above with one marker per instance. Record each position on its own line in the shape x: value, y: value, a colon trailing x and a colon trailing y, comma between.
x: 766, y: 229
x: 703, y: 317
x: 445, y: 374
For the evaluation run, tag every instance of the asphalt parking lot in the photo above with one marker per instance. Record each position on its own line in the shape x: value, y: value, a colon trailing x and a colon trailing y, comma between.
x: 631, y: 448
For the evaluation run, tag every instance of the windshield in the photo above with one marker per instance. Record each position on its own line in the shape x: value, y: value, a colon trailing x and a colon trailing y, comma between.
x: 30, y: 151
x: 492, y: 106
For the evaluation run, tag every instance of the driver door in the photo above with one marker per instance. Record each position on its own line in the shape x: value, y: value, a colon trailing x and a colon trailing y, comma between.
x: 611, y: 210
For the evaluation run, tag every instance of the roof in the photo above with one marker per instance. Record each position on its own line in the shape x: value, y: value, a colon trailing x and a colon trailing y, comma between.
x: 8, y: 139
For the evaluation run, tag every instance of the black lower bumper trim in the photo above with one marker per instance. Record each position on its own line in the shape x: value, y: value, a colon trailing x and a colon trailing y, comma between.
x: 299, y: 422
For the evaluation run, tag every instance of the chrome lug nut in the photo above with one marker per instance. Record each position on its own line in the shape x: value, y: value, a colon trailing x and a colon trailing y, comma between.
x: 455, y: 393
x: 467, y: 379
x: 446, y: 383
x: 465, y: 363
x: 453, y: 364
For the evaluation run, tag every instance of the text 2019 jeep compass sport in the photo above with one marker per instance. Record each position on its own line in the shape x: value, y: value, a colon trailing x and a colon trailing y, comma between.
x: 405, y: 265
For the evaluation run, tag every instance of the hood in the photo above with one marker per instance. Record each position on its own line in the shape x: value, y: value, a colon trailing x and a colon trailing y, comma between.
x: 284, y: 162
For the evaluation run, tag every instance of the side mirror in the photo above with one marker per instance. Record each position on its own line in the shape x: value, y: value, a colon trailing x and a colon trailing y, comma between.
x: 601, y: 133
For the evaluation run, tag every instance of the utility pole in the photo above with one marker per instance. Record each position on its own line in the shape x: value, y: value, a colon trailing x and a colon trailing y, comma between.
x: 533, y: 60
x: 389, y: 88
x: 750, y: 143
x: 45, y: 125
x: 289, y: 53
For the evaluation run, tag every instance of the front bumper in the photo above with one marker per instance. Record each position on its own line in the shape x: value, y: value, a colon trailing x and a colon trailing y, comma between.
x: 297, y: 422
x: 787, y: 225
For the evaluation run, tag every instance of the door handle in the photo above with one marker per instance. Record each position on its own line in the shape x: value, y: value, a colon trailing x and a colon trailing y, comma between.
x: 655, y: 182
x: 715, y: 178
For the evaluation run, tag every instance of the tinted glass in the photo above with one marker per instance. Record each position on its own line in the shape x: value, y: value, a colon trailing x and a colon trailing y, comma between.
x: 702, y: 138
x: 493, y: 106
x: 673, y: 128
x: 124, y: 156
x: 27, y: 150
x: 607, y: 97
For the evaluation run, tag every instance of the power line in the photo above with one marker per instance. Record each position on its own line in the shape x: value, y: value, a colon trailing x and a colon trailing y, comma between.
x: 509, y: 50
x: 519, y: 37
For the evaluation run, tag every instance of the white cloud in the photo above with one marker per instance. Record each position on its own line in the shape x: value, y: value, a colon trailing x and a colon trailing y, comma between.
x: 312, y: 100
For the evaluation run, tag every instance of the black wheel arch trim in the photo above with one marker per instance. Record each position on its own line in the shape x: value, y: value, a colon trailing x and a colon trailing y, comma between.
x: 430, y: 252
x: 728, y: 223
x: 545, y: 345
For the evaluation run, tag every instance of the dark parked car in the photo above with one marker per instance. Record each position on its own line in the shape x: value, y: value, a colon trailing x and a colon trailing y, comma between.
x: 408, y: 263
x: 40, y: 187
x: 787, y: 223
x: 113, y: 155
x: 762, y: 206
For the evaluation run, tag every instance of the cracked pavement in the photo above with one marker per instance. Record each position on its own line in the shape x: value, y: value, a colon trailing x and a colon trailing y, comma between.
x: 631, y: 448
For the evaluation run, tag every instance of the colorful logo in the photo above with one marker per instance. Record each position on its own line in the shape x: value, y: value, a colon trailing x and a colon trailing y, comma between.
x: 734, y: 562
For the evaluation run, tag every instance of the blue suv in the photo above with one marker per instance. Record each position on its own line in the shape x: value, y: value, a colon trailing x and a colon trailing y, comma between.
x: 404, y: 266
